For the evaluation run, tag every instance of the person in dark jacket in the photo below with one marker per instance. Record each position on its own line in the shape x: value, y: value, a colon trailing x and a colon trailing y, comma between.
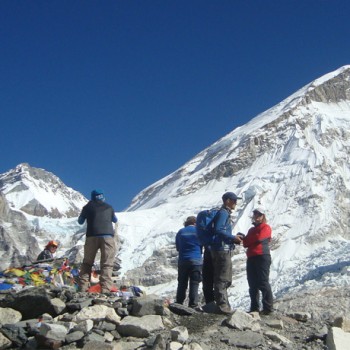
x: 257, y: 242
x: 221, y: 252
x: 48, y: 252
x: 99, y: 236
x: 189, y: 263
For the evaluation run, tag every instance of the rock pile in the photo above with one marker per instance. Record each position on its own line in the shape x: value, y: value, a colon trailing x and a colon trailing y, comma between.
x: 53, y: 318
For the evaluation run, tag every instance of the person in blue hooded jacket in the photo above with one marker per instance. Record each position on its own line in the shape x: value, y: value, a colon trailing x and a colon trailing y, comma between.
x: 221, y: 252
x: 189, y: 263
x: 99, y: 236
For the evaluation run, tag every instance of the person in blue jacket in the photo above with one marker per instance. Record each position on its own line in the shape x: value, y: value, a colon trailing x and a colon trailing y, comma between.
x: 189, y: 264
x: 221, y: 252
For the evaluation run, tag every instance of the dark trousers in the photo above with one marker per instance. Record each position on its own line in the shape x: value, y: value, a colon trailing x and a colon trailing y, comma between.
x: 222, y: 277
x: 188, y: 271
x: 258, y: 271
x: 208, y: 277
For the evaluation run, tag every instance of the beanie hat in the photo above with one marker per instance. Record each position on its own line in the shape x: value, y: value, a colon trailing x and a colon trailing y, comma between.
x: 97, y: 195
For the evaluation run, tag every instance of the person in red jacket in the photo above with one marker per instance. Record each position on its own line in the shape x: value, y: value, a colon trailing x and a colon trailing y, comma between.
x: 257, y: 242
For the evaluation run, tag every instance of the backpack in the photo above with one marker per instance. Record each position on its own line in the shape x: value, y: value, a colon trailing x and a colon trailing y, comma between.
x: 205, y: 226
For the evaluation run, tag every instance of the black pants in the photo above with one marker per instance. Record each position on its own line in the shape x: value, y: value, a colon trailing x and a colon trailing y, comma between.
x: 222, y: 264
x: 258, y: 271
x: 208, y: 277
x: 188, y: 271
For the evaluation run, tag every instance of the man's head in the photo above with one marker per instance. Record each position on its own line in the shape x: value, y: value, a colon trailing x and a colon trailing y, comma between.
x: 191, y: 220
x: 230, y: 199
x: 52, y: 246
x: 97, y: 195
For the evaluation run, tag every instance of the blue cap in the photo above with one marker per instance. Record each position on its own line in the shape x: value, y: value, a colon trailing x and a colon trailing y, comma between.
x: 230, y: 195
x: 97, y: 195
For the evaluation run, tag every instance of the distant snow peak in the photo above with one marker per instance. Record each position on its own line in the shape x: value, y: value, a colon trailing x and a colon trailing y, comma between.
x: 40, y: 193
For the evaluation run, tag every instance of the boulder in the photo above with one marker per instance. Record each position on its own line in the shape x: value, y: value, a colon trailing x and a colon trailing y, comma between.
x: 140, y: 327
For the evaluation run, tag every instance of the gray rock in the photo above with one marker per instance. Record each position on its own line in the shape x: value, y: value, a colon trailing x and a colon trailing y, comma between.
x: 31, y: 303
x: 53, y: 331
x: 242, y: 321
x: 159, y: 343
x: 337, y: 339
x: 246, y: 339
x: 74, y: 336
x: 94, y: 345
x: 58, y: 305
x: 105, y: 326
x: 147, y: 305
x: 8, y: 315
x: 84, y: 326
x: 343, y: 323
x: 179, y: 334
x: 4, y: 341
x: 140, y: 327
x: 46, y: 343
x: 97, y: 312
x: 181, y: 310
x: 14, y: 333
x: 77, y: 305
x: 277, y: 337
x: 277, y: 324
x: 91, y: 337
x: 300, y: 316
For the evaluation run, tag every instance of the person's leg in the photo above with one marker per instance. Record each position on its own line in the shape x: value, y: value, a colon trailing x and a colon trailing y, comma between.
x: 222, y: 278
x: 108, y: 250
x: 264, y: 284
x: 208, y: 277
x: 182, y: 278
x: 90, y: 250
x: 253, y: 280
x: 195, y: 279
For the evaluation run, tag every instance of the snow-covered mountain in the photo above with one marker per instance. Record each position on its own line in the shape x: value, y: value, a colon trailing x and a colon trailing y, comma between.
x: 292, y: 159
x: 35, y: 206
x: 40, y: 193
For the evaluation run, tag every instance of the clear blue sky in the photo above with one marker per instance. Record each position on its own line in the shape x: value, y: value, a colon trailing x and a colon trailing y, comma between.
x: 118, y: 94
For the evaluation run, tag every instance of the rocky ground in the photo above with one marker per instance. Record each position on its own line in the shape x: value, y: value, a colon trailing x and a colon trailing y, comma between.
x: 53, y: 318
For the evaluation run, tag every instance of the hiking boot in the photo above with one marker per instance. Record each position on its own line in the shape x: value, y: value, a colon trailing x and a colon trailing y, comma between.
x: 266, y: 312
x: 198, y: 308
x: 253, y: 310
x: 225, y: 310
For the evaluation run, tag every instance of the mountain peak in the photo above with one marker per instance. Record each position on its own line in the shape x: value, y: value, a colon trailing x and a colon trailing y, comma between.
x: 38, y: 192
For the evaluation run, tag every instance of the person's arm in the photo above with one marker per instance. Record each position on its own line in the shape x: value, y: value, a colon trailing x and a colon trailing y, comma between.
x: 256, y: 235
x: 81, y: 219
x: 114, y: 218
x: 177, y: 241
x: 220, y: 227
x: 264, y: 233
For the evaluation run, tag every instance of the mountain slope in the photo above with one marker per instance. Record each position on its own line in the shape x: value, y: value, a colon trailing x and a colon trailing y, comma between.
x: 293, y: 159
x: 38, y: 192
x: 35, y: 207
